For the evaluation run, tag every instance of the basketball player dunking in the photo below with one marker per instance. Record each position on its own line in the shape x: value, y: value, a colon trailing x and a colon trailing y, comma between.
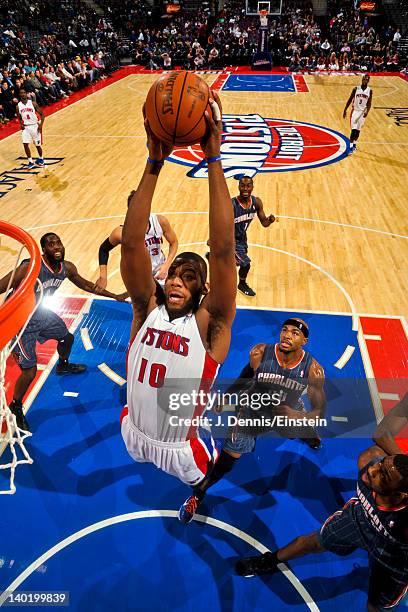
x: 375, y: 520
x: 31, y: 127
x: 45, y: 324
x: 178, y: 339
x: 245, y: 207
x: 362, y: 98
x: 158, y: 227
x: 283, y: 369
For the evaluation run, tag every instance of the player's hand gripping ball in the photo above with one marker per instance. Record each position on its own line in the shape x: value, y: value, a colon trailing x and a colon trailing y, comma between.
x: 175, y: 107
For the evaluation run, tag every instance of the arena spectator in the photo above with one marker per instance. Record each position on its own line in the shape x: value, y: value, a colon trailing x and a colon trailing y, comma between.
x: 6, y: 100
x: 52, y: 49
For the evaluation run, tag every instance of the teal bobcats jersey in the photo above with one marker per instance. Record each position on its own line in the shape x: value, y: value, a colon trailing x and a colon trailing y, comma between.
x: 272, y: 377
x: 49, y: 279
x: 242, y: 218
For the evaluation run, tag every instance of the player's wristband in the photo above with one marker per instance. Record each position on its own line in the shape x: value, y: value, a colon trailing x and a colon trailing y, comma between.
x: 157, y: 162
x: 211, y: 160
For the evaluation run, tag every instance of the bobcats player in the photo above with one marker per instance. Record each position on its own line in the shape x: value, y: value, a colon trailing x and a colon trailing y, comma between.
x: 45, y: 324
x: 178, y: 339
x: 157, y: 228
x: 374, y: 520
x: 31, y: 127
x: 362, y: 98
x: 284, y: 368
x: 245, y: 207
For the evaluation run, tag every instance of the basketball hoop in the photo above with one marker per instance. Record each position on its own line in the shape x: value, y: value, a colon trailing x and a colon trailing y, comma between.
x: 263, y: 16
x: 15, y: 313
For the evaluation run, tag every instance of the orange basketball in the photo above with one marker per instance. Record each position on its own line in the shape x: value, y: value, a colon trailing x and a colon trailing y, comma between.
x: 175, y: 107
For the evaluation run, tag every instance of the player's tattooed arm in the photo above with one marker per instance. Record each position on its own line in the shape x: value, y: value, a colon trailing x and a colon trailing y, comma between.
x: 315, y: 391
x: 349, y: 101
x: 15, y: 279
x: 266, y: 221
x: 86, y: 285
x: 135, y: 264
x: 395, y: 420
x: 221, y: 300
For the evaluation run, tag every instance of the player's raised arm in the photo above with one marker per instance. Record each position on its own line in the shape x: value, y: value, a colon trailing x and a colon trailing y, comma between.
x: 221, y: 301
x: 135, y: 266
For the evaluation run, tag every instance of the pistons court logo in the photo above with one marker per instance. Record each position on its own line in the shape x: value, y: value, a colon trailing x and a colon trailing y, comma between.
x: 252, y: 144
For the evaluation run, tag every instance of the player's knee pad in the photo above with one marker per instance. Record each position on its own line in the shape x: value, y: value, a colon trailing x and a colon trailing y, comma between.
x: 65, y: 345
x: 243, y: 271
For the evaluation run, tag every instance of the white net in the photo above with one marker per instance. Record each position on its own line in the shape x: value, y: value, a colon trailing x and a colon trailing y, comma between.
x: 12, y: 449
x: 12, y: 440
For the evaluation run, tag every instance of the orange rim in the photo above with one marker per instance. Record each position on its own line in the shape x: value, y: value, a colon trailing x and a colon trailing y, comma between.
x: 16, y: 310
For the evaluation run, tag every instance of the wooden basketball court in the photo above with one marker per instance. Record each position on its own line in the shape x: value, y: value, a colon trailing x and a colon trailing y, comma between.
x: 339, y: 246
x: 340, y: 242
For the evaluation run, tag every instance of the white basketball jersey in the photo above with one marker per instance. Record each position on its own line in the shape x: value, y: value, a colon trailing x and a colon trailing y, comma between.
x: 27, y: 112
x: 154, y: 241
x: 167, y: 367
x: 361, y: 98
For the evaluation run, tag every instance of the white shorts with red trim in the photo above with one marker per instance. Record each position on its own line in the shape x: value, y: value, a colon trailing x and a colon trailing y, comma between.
x: 189, y: 460
x: 357, y: 119
x: 32, y: 135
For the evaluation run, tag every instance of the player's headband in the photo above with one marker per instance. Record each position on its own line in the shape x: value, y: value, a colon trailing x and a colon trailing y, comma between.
x: 301, y: 326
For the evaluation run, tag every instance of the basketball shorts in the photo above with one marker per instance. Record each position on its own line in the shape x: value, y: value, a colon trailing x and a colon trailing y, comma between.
x: 357, y: 120
x: 241, y: 254
x: 341, y: 535
x: 45, y: 325
x: 32, y: 135
x: 189, y: 461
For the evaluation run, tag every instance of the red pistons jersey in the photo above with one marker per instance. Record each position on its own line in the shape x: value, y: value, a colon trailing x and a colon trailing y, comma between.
x: 169, y: 376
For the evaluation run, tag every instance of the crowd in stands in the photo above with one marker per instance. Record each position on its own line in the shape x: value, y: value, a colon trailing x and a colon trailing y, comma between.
x: 51, y: 49
x: 51, y: 52
x: 346, y: 39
